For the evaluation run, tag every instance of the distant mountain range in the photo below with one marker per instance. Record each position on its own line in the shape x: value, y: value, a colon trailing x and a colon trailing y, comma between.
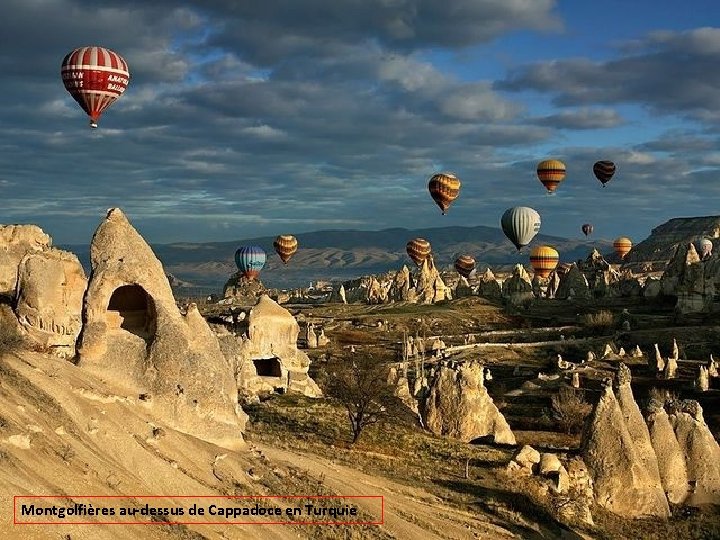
x: 346, y: 254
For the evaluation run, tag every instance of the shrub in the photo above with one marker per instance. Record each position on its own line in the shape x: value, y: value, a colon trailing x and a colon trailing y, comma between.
x: 602, y: 320
x: 569, y: 409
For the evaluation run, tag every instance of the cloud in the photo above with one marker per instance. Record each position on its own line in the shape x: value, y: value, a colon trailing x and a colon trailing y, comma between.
x: 251, y: 118
x: 316, y: 27
x: 671, y: 72
x: 584, y: 118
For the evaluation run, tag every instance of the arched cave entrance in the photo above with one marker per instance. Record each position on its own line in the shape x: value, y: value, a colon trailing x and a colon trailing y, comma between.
x: 132, y: 309
x: 268, y: 367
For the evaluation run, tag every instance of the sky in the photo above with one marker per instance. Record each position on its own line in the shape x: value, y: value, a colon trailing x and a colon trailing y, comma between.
x: 246, y: 119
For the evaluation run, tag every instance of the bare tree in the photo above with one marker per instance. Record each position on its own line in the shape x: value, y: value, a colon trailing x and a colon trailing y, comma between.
x: 361, y: 385
x: 570, y: 409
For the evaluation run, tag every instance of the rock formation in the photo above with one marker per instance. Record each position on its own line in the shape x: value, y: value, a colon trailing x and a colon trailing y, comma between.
x: 670, y: 457
x: 426, y: 286
x: 459, y: 406
x: 659, y: 247
x: 16, y: 241
x: 400, y: 286
x: 553, y: 284
x: 598, y: 273
x: 659, y: 366
x: 517, y: 290
x: 430, y: 287
x: 527, y: 458
x: 670, y: 368
x: 135, y: 335
x: 265, y: 356
x: 702, y: 454
x: 488, y: 286
x: 243, y: 291
x: 573, y: 280
x: 622, y: 482
x: 635, y: 424
x: 462, y: 289
x: 691, y: 280
x: 50, y: 289
x: 653, y: 287
x: 712, y: 367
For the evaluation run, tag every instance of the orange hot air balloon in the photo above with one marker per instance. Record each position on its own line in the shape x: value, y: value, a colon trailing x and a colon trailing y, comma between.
x: 622, y: 246
x: 95, y: 77
x: 465, y: 265
x: 551, y: 172
x: 418, y: 249
x: 285, y: 246
x: 544, y: 260
x: 444, y: 189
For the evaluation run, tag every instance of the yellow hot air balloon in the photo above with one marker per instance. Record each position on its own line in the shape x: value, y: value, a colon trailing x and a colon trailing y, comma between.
x: 444, y: 189
x: 622, y: 246
x: 544, y: 260
x: 285, y: 246
x: 418, y: 250
x: 551, y: 172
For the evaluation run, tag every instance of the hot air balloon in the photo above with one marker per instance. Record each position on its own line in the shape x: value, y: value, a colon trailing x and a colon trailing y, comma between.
x: 465, y: 265
x: 444, y: 189
x: 418, y: 249
x: 604, y: 171
x: 587, y: 229
x: 622, y: 246
x: 285, y: 246
x: 520, y: 224
x: 250, y: 260
x: 706, y: 247
x: 544, y: 259
x: 551, y: 172
x: 95, y: 78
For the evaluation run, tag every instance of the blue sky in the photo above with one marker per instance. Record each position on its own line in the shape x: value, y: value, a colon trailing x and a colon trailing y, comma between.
x: 245, y: 119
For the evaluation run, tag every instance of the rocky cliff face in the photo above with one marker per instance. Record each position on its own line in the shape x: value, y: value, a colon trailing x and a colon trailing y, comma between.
x: 459, y: 406
x: 659, y: 247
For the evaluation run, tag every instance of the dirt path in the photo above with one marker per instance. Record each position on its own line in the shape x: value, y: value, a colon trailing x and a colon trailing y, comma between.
x: 409, y: 512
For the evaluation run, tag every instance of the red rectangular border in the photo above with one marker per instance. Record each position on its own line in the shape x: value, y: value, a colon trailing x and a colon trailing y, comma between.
x: 381, y: 497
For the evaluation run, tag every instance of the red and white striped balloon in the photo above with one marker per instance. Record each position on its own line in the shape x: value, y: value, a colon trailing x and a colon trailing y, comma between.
x: 95, y: 78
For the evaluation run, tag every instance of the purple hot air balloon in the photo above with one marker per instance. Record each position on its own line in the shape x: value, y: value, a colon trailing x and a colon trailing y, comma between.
x: 587, y: 229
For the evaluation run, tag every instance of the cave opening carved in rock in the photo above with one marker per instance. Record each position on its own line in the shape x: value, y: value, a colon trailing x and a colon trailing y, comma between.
x: 132, y: 309
x: 268, y: 367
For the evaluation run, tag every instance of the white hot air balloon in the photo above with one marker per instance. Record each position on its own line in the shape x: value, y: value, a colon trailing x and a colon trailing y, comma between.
x: 520, y: 224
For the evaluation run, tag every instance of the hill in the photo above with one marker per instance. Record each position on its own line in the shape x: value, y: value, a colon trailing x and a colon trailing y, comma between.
x: 345, y: 254
x: 658, y: 248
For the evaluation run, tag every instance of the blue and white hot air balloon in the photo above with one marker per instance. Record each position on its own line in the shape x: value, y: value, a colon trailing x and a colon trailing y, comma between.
x: 250, y: 260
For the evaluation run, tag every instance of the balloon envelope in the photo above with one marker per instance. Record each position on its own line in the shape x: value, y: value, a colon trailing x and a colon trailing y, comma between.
x: 418, y: 250
x: 706, y: 247
x: 250, y: 260
x: 622, y: 246
x: 285, y: 246
x: 444, y: 189
x: 587, y: 229
x: 520, y: 224
x: 464, y: 265
x: 95, y: 77
x: 544, y: 259
x: 551, y: 172
x: 604, y: 171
